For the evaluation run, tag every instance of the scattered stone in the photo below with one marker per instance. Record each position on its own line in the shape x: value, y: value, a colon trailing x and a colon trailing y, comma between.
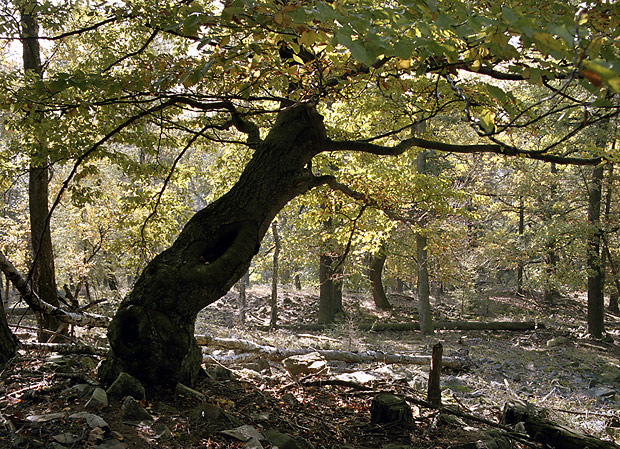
x: 208, y: 411
x: 603, y: 392
x: 283, y: 441
x: 305, y: 364
x: 185, y: 391
x: 126, y: 385
x: 162, y: 431
x: 93, y: 421
x: 253, y: 443
x: 244, y: 433
x: 96, y: 435
x: 98, y: 400
x: 357, y: 377
x: 133, y: 413
x: 112, y: 444
x: 222, y: 373
x: 87, y: 363
x: 489, y: 439
x: 456, y: 384
x: 557, y: 341
x: 45, y: 418
x: 67, y: 438
x: 79, y: 390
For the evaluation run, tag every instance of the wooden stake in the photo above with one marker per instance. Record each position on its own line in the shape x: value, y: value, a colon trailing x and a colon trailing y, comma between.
x: 434, y: 382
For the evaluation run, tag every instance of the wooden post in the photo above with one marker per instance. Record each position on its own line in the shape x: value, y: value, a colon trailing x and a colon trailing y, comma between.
x: 434, y: 382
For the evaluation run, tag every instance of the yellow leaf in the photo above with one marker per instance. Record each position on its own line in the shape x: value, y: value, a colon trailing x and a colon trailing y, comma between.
x: 404, y: 64
x: 487, y: 121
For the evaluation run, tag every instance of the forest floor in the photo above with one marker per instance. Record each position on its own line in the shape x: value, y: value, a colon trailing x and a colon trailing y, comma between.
x: 555, y: 367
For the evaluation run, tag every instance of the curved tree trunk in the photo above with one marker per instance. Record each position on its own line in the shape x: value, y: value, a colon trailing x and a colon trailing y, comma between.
x: 375, y: 271
x: 152, y: 334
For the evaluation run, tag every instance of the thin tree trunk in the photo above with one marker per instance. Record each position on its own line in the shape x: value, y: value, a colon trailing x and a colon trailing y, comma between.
x: 273, y: 322
x: 424, y: 304
x: 330, y: 295
x: 613, y: 301
x: 297, y: 280
x: 8, y: 341
x: 375, y: 273
x: 243, y: 302
x: 551, y: 292
x: 596, y: 307
x: 521, y: 232
x: 43, y: 271
x: 613, y: 296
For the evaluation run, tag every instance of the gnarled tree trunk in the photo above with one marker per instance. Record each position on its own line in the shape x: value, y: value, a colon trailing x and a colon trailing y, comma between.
x: 152, y: 333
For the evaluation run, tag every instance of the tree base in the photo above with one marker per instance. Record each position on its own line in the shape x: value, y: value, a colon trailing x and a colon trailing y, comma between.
x: 155, y: 348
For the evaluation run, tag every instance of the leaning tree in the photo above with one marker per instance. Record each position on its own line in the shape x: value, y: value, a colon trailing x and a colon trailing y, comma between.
x: 267, y: 75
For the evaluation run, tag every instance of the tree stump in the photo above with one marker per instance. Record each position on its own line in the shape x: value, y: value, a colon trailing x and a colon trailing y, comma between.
x: 388, y: 409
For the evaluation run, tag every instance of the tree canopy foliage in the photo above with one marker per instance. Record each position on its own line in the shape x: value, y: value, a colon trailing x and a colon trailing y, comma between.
x: 187, y: 102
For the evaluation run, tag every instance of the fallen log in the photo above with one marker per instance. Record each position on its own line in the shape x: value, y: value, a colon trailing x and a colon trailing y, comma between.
x: 276, y: 353
x: 547, y: 432
x: 413, y: 326
x: 38, y: 305
x: 65, y: 348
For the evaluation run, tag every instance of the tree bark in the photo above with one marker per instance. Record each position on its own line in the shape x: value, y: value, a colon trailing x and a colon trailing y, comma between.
x: 8, y: 341
x: 273, y: 322
x: 424, y: 303
x: 596, y: 306
x: 43, y: 270
x: 375, y: 273
x: 152, y: 334
x: 551, y: 293
x: 330, y: 292
x: 243, y: 305
x: 521, y: 232
x: 434, y: 377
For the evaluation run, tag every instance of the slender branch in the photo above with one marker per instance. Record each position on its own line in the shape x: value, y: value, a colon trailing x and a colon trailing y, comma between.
x: 133, y: 53
x: 169, y: 177
x: 81, y: 30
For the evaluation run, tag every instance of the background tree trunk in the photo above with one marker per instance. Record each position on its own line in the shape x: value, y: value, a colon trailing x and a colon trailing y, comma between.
x: 243, y: 305
x: 550, y: 292
x: 596, y: 307
x: 8, y: 341
x: 521, y: 232
x: 43, y: 271
x: 273, y: 322
x: 330, y: 293
x: 424, y: 304
x: 375, y: 273
x: 152, y: 334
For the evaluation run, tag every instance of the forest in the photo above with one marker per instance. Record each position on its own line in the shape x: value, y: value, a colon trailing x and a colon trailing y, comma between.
x: 309, y: 224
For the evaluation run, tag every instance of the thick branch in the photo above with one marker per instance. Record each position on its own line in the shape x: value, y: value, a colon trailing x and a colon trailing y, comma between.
x: 497, y: 148
x: 38, y: 305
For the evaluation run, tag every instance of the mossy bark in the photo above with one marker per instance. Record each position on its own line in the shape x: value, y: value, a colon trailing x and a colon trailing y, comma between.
x: 152, y: 333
